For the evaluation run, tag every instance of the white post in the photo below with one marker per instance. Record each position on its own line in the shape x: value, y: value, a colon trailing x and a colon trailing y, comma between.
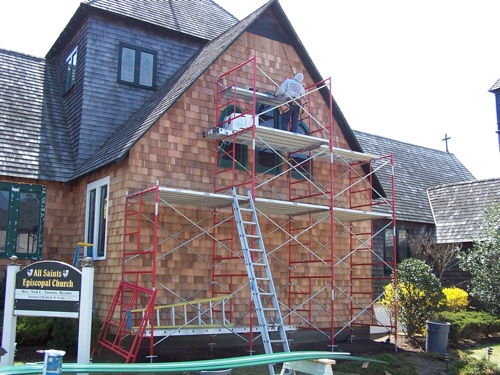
x: 9, y: 320
x: 85, y: 316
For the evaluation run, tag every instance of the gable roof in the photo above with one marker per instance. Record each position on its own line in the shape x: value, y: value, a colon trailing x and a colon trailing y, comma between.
x: 61, y: 163
x: 117, y: 147
x: 458, y: 209
x: 202, y: 19
x: 35, y: 142
x: 416, y: 169
x: 495, y: 87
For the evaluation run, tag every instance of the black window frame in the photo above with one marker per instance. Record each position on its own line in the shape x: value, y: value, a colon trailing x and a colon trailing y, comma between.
x: 137, y: 65
x: 299, y: 157
x: 273, y: 157
x: 13, y: 219
x: 70, y: 70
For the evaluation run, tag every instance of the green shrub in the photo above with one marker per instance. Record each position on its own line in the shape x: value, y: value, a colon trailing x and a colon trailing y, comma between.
x: 65, y: 335
x: 34, y: 331
x: 419, y: 295
x: 470, y: 324
x: 51, y: 333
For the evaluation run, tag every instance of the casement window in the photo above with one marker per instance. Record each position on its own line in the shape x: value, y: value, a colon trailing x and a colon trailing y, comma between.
x: 268, y: 160
x: 70, y: 69
x: 96, y: 218
x: 137, y: 66
x: 229, y: 152
x: 22, y: 211
x: 302, y: 163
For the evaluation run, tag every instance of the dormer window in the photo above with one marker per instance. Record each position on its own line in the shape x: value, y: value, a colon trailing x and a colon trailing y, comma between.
x: 137, y: 66
x: 70, y: 69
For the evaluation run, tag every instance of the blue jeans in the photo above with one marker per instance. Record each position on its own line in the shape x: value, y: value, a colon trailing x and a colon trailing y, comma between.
x: 293, y: 112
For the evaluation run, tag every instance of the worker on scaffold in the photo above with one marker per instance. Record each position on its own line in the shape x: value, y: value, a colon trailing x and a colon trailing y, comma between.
x: 292, y: 89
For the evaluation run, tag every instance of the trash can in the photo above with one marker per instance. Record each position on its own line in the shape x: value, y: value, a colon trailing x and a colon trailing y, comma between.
x: 436, y: 340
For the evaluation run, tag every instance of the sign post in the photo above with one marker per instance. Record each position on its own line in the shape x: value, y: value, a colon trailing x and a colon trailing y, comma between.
x: 9, y: 319
x: 85, y: 321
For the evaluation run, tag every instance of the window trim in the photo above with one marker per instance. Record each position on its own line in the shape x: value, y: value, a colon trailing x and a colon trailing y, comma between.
x: 93, y: 216
x: 224, y: 163
x: 70, y: 78
x: 15, y: 190
x: 137, y: 65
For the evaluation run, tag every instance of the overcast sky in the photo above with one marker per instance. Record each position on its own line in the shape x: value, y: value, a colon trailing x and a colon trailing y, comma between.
x: 408, y: 70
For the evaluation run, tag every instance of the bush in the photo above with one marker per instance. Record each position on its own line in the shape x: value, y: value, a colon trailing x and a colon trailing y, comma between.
x: 55, y: 333
x: 456, y: 299
x: 65, y: 335
x: 482, y: 261
x: 34, y: 331
x: 470, y: 324
x: 419, y: 295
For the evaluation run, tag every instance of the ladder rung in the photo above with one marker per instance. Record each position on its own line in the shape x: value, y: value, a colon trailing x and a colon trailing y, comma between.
x: 250, y: 222
x: 258, y: 264
x: 252, y: 236
x: 276, y: 341
x: 255, y: 250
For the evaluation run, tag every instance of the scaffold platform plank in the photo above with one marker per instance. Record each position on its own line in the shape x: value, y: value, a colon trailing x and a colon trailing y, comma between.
x: 268, y: 206
x: 285, y: 141
x: 211, y: 330
x: 266, y: 137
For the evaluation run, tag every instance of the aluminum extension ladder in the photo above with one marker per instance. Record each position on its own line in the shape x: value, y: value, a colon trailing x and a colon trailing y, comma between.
x: 259, y: 274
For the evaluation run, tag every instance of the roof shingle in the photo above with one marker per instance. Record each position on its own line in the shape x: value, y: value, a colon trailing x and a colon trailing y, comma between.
x: 416, y: 169
x: 459, y: 208
x: 35, y: 142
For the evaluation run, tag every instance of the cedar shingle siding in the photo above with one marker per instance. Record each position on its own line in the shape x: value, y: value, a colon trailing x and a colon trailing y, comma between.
x: 137, y: 136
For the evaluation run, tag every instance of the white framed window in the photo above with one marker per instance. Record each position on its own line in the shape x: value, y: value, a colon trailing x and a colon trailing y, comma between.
x: 96, y: 217
x: 70, y: 70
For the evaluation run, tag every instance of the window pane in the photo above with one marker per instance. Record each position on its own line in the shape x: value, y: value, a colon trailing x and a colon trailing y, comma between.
x: 91, y: 217
x: 4, y: 212
x: 266, y: 158
x: 228, y: 152
x: 146, y: 73
x: 127, y: 69
x: 102, y: 221
x: 28, y: 221
x: 71, y: 69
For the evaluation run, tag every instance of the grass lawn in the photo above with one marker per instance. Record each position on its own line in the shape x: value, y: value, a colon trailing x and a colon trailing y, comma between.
x: 480, y: 352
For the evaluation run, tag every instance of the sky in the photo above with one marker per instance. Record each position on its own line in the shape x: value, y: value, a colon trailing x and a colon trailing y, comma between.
x: 413, y: 71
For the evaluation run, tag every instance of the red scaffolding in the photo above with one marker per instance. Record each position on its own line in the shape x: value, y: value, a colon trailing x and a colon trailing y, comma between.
x: 315, y: 202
